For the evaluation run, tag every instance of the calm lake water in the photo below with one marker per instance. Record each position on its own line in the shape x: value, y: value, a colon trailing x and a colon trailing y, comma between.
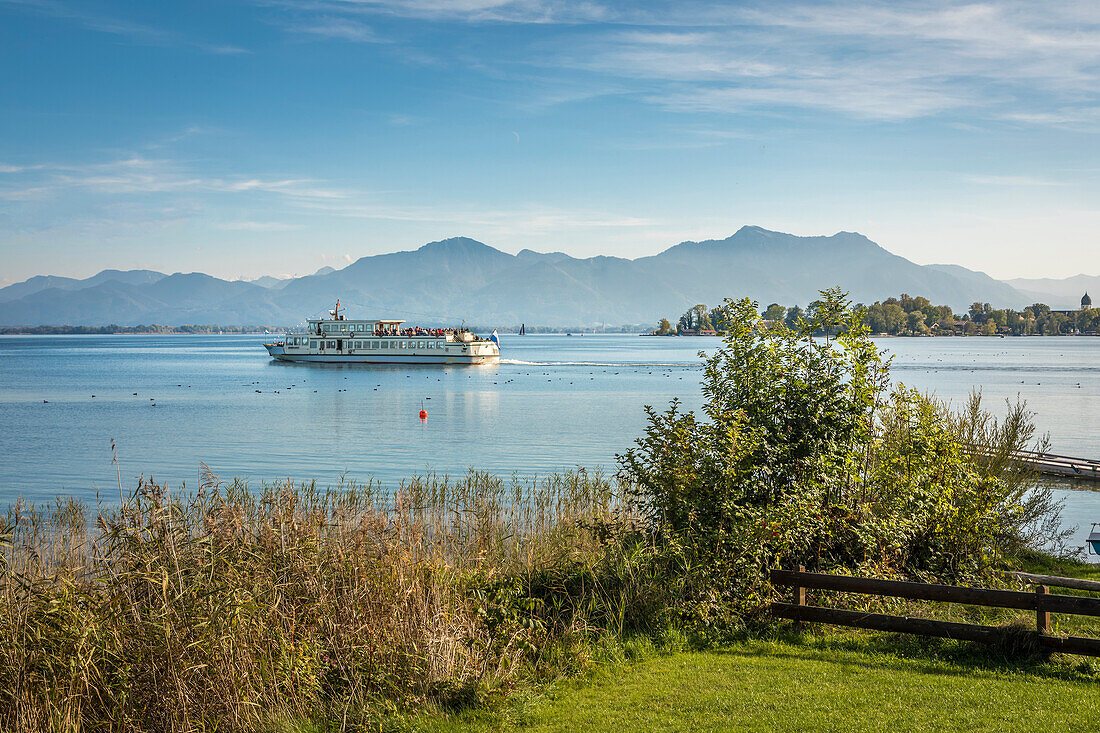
x: 555, y: 402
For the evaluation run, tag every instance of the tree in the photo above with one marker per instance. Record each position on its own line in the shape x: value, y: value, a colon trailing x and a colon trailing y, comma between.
x: 719, y: 318
x: 893, y: 318
x: 980, y: 311
x: 915, y: 323
x: 1039, y: 310
x: 796, y: 314
x: 775, y: 312
x: 663, y: 327
x: 828, y: 313
x: 701, y: 318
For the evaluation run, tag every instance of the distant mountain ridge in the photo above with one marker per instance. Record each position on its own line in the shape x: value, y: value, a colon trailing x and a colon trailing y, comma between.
x: 46, y: 282
x: 462, y: 279
x: 1064, y: 293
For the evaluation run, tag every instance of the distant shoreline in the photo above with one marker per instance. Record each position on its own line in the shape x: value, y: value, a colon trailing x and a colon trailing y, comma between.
x: 149, y: 330
x: 153, y: 330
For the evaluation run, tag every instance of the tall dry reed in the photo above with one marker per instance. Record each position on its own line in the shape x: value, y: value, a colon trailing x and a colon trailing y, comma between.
x: 230, y: 609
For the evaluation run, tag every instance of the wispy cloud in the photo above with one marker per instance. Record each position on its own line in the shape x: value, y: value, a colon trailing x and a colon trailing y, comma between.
x: 343, y: 29
x: 990, y: 180
x: 499, y: 222
x: 138, y: 33
x: 465, y: 11
x: 258, y: 226
x: 135, y: 191
x: 869, y: 60
x: 139, y: 175
x: 6, y: 168
x: 1011, y: 60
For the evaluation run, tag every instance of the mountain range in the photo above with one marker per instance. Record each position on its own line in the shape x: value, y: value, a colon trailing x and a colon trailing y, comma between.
x: 459, y: 279
x: 1068, y: 290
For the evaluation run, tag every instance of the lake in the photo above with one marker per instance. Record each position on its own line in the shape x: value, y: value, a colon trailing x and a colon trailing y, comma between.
x: 554, y: 402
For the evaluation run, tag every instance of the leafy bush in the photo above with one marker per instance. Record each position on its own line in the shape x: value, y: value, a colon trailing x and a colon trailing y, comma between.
x: 806, y: 454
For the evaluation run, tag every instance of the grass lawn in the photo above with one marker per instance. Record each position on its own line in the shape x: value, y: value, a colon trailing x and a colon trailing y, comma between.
x: 831, y: 679
x: 777, y: 686
x: 835, y: 681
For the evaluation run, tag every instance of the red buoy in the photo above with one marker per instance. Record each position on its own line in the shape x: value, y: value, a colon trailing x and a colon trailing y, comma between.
x: 423, y: 414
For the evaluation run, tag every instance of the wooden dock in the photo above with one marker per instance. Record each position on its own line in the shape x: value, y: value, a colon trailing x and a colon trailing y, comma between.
x: 1051, y: 464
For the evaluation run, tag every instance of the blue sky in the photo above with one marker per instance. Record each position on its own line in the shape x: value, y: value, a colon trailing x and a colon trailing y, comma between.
x: 244, y: 138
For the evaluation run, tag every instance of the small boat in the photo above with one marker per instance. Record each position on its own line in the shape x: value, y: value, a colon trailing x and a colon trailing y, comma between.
x: 337, y: 340
x: 1092, y: 544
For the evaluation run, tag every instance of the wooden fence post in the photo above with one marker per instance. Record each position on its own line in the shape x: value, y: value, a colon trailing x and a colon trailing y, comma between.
x: 1042, y: 617
x: 799, y: 599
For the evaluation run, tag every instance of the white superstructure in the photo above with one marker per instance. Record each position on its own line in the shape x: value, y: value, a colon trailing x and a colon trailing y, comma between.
x: 380, y: 341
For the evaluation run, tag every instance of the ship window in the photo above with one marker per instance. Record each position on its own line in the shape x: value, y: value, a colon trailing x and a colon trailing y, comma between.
x: 403, y: 344
x: 421, y: 345
x: 313, y: 344
x: 332, y: 344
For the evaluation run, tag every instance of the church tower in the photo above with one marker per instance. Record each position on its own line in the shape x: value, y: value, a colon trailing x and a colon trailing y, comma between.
x: 1086, y: 302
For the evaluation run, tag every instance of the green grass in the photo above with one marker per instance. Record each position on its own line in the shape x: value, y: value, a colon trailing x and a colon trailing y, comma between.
x: 784, y: 687
x: 842, y: 682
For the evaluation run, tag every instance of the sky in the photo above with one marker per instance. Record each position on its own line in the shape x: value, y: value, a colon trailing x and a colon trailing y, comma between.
x: 253, y: 137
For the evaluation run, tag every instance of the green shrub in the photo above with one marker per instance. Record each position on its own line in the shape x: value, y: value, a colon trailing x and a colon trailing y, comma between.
x: 805, y: 454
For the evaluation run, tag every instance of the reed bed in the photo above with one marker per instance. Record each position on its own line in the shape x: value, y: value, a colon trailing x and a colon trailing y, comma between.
x: 231, y: 609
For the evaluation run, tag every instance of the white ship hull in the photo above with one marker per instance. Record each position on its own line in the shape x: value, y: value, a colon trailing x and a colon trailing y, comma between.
x: 279, y: 353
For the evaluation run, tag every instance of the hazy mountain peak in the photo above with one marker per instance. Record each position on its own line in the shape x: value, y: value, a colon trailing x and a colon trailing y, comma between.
x: 750, y: 229
x: 456, y: 244
x: 530, y: 254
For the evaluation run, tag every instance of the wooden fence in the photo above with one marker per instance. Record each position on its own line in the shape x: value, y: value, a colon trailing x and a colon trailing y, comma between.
x: 1042, y: 602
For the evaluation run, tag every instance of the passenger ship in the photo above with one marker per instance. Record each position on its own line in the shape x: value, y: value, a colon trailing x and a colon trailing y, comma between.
x: 381, y: 341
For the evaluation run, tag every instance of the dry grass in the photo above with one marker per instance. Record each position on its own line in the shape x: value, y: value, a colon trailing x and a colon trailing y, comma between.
x: 233, y: 609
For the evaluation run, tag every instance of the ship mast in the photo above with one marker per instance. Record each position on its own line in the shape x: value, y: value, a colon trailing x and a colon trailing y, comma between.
x: 335, y: 312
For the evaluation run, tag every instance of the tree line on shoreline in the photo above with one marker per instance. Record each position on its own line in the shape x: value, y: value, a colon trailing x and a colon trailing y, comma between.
x: 906, y: 316
x: 116, y: 329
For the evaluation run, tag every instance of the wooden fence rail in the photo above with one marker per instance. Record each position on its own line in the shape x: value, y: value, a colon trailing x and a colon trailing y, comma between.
x: 1041, y: 601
